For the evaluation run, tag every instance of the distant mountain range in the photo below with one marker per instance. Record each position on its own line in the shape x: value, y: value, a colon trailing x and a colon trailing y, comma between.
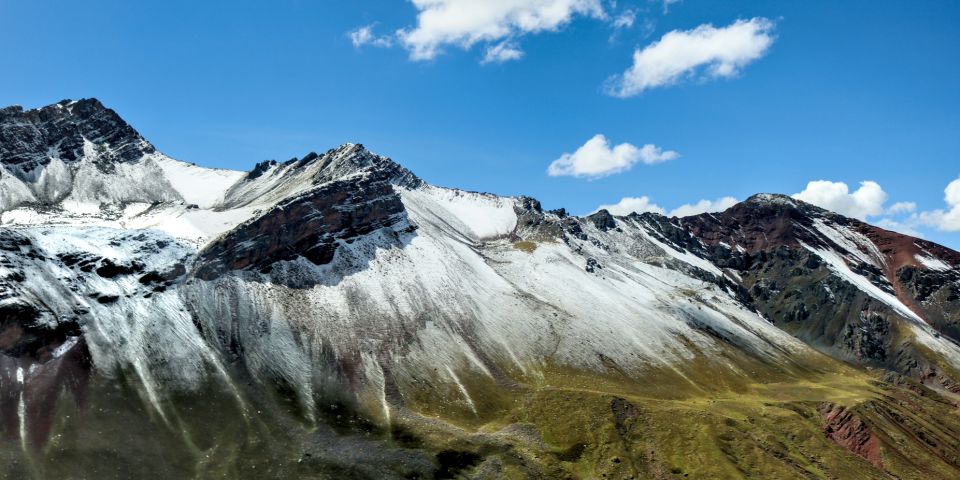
x: 334, y: 316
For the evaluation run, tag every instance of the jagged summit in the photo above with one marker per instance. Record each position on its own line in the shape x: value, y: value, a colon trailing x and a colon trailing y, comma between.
x: 82, y: 157
x: 771, y: 198
x: 350, y: 158
x: 67, y: 131
x: 272, y: 182
x: 777, y: 204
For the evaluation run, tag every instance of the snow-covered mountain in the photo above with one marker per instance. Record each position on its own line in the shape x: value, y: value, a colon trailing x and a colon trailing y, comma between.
x: 385, y: 327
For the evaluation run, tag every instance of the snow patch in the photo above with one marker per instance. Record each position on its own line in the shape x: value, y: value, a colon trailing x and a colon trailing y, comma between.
x: 852, y: 242
x: 933, y: 263
x: 65, y: 346
x: 204, y: 187
x: 476, y: 215
x: 840, y: 268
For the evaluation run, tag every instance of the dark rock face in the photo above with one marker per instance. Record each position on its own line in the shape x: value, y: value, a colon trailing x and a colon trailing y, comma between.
x: 761, y: 222
x: 603, y: 220
x: 868, y: 338
x: 110, y: 269
x: 24, y: 334
x: 670, y: 233
x: 353, y: 195
x: 762, y: 239
x: 800, y: 295
x: 937, y: 294
x: 593, y: 265
x: 12, y: 246
x: 534, y: 224
x: 310, y: 226
x: 29, y: 138
x: 260, y: 168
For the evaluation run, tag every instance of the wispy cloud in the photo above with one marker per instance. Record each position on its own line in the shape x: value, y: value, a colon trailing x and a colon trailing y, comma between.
x: 901, y: 208
x: 705, y: 51
x: 667, y: 4
x: 599, y: 158
x: 502, y: 52
x: 624, y: 19
x: 364, y: 36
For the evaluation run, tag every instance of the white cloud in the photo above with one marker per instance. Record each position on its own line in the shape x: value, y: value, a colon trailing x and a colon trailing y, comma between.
x: 628, y: 205
x: 666, y: 5
x: 901, y: 208
x: 625, y: 19
x: 949, y: 219
x: 465, y: 23
x: 598, y: 158
x: 952, y: 193
x: 365, y: 36
x: 707, y: 50
x: 866, y: 201
x: 502, y: 52
x: 703, y: 206
x: 906, y: 227
x: 869, y: 199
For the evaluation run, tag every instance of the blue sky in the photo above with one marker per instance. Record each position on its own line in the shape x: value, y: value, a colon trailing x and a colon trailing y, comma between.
x: 818, y: 90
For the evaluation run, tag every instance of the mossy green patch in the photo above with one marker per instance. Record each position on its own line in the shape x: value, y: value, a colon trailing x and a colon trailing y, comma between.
x: 525, y: 246
x: 701, y: 421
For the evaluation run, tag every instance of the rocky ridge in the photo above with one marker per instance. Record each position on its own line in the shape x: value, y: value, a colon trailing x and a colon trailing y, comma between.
x: 341, y: 292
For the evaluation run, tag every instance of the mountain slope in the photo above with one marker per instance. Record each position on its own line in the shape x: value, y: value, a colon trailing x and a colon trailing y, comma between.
x: 850, y: 289
x: 335, y: 316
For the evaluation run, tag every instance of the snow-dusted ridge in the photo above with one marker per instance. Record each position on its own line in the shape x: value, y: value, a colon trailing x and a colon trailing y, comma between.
x: 344, y: 271
x: 455, y: 284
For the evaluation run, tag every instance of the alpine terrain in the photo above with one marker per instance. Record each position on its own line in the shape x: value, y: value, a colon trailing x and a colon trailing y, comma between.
x: 335, y: 316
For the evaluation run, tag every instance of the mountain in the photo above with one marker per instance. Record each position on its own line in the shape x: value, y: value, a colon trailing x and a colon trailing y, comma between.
x: 854, y: 291
x: 335, y: 316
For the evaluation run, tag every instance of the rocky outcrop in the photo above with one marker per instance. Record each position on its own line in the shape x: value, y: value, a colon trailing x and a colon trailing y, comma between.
x: 26, y: 332
x: 311, y: 226
x: 936, y: 294
x: 260, y: 168
x: 602, y: 220
x: 848, y: 430
x: 31, y: 138
x: 536, y: 225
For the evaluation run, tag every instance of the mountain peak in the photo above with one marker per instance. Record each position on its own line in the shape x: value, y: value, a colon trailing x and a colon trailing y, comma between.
x: 771, y: 198
x: 777, y: 205
x: 336, y: 163
x: 65, y: 131
x: 352, y: 158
